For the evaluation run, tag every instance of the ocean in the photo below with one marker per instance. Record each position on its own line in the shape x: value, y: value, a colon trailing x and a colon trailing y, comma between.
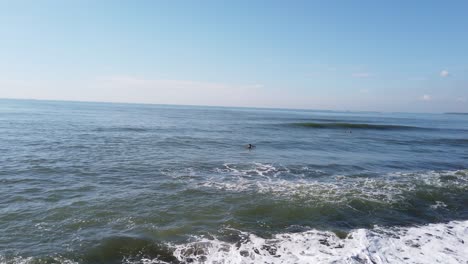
x: 131, y: 183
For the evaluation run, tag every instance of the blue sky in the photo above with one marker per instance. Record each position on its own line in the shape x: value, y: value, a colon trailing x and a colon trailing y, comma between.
x: 339, y: 55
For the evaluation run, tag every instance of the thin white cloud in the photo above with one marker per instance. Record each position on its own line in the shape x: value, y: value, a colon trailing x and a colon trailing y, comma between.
x: 26, y: 89
x: 131, y: 89
x: 186, y: 92
x: 138, y: 90
x: 444, y: 73
x: 167, y: 91
x: 425, y: 97
x: 461, y: 99
x: 361, y: 75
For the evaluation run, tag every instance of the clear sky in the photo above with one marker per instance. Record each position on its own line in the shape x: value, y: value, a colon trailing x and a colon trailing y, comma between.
x: 338, y: 55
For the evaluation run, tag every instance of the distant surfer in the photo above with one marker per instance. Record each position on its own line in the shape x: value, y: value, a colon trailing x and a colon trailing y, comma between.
x: 250, y: 146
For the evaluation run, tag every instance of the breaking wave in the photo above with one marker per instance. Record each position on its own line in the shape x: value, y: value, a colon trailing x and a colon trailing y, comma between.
x: 317, y: 185
x: 355, y: 126
x: 433, y: 243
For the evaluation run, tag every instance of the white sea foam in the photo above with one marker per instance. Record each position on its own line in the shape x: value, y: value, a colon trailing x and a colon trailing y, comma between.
x: 31, y: 260
x: 438, y: 205
x: 280, y: 181
x: 433, y: 243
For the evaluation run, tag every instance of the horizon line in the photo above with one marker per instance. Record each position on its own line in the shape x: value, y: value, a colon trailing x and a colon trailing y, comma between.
x: 225, y: 106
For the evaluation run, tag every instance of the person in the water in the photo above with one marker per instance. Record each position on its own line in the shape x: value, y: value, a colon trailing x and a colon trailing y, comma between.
x: 250, y: 146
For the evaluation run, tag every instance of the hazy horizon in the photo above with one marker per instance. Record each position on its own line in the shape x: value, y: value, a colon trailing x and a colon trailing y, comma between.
x: 231, y: 106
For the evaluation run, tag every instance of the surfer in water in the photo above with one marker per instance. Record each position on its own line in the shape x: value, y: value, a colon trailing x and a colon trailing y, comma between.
x: 250, y: 146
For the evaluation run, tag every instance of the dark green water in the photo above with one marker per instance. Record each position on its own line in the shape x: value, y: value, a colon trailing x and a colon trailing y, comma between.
x: 125, y: 183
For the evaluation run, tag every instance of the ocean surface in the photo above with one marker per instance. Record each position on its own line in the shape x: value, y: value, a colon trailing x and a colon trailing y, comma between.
x: 128, y: 183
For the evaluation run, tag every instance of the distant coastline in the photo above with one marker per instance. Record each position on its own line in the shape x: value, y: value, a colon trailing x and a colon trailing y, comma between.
x: 455, y: 113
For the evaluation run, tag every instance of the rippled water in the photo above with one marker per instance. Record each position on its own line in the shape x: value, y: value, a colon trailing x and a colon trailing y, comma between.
x: 127, y: 183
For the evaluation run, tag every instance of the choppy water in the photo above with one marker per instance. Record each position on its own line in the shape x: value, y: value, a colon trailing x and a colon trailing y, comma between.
x: 126, y: 183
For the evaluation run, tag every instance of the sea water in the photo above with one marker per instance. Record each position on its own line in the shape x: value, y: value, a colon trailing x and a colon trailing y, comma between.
x: 127, y: 183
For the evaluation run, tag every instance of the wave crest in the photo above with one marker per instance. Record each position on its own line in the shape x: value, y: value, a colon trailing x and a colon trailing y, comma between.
x: 355, y: 126
x: 433, y: 243
x: 316, y: 185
